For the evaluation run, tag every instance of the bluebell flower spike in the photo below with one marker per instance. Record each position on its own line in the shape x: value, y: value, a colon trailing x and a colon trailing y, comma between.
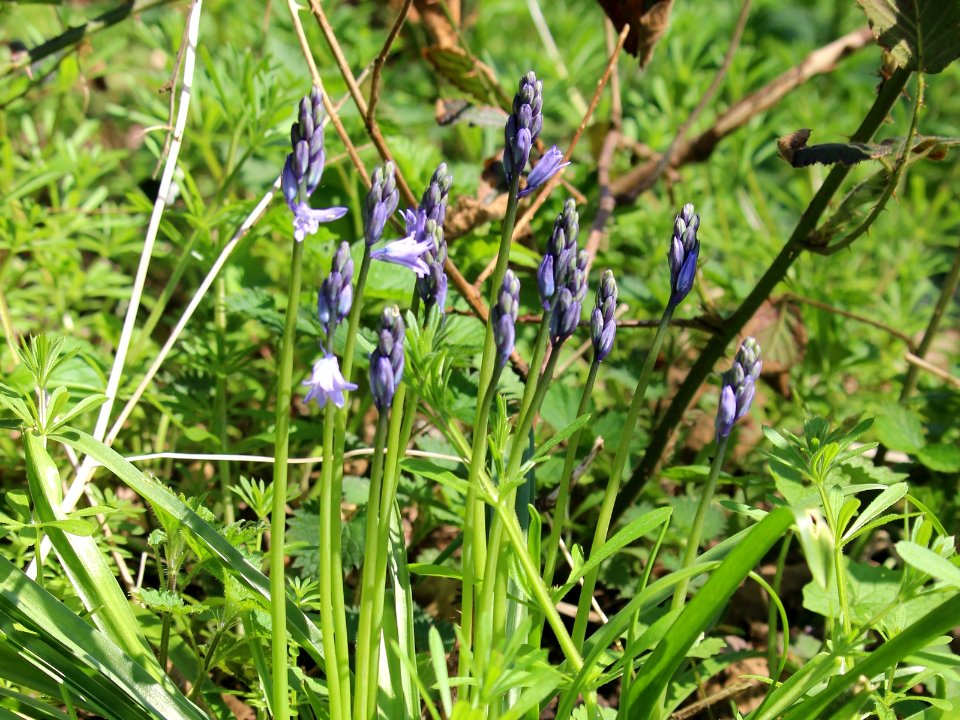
x: 381, y: 202
x: 504, y: 316
x: 523, y: 126
x: 739, y: 387
x: 336, y: 293
x: 432, y: 287
x: 559, y: 258
x: 683, y: 254
x: 303, y: 169
x: 603, y: 324
x: 386, y: 360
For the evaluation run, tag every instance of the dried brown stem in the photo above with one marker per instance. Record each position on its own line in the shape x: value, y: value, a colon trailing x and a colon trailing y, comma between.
x: 327, y: 105
x: 705, y: 100
x: 382, y: 59
x: 371, y: 124
x: 628, y: 187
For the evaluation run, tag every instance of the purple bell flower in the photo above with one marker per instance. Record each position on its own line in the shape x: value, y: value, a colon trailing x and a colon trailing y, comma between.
x: 406, y: 252
x: 684, y: 250
x: 386, y: 360
x: 550, y: 164
x: 504, y: 317
x: 327, y: 383
x: 603, y: 324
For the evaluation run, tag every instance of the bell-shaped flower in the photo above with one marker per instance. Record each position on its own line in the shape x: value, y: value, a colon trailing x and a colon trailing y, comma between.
x: 550, y: 164
x: 327, y: 383
x: 406, y: 252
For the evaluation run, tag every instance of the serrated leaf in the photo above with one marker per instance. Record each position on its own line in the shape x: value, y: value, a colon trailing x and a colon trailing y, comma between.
x: 917, y: 33
x: 900, y: 429
x: 941, y: 457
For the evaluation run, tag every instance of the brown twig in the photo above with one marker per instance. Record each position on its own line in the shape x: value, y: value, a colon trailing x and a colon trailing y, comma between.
x: 705, y: 100
x: 907, y: 340
x: 371, y: 124
x: 545, y: 191
x: 382, y: 59
x: 328, y: 106
x: 629, y: 186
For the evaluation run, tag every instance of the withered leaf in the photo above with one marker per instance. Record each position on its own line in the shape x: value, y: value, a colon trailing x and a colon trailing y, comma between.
x: 648, y: 21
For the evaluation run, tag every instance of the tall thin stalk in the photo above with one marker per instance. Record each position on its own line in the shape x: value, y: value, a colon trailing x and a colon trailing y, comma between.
x: 278, y: 517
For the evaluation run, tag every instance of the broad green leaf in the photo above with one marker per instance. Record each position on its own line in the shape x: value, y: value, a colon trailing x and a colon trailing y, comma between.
x: 50, y: 636
x: 654, y: 676
x: 919, y: 34
x: 900, y: 429
x: 85, y: 566
x: 940, y: 457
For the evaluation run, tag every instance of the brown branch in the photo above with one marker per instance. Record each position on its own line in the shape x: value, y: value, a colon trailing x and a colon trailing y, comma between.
x: 328, y: 106
x: 382, y: 59
x: 371, y: 124
x: 628, y: 187
x: 707, y: 96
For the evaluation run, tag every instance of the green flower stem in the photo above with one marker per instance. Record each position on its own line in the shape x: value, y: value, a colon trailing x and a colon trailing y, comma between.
x: 368, y: 640
x: 353, y: 321
x: 278, y: 517
x: 493, y: 602
x: 563, y: 496
x: 552, y: 549
x: 838, y: 567
x: 693, y: 542
x: 616, y: 473
x: 474, y: 536
x: 473, y: 524
x: 398, y: 435
x: 772, y: 651
x: 220, y: 399
x: 508, y: 519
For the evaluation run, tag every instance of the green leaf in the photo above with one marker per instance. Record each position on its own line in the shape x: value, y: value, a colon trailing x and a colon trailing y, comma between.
x: 439, y: 658
x: 919, y: 34
x: 431, y: 570
x: 888, y: 497
x: 655, y: 675
x: 44, y: 634
x: 900, y: 429
x: 927, y: 561
x: 940, y: 457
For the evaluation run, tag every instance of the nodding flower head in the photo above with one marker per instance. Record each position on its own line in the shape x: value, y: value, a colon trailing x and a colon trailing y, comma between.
x: 523, y: 126
x: 504, y: 316
x: 561, y: 253
x: 336, y: 293
x: 739, y: 387
x: 303, y: 168
x: 603, y: 325
x: 381, y: 202
x: 684, y: 250
x: 550, y: 164
x: 327, y: 383
x: 386, y: 360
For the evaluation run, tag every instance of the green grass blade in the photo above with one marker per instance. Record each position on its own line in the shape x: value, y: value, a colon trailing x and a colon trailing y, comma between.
x: 51, y: 637
x: 656, y: 673
x: 303, y: 630
x: 87, y: 569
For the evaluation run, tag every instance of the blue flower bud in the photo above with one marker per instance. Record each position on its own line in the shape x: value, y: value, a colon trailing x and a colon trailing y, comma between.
x: 386, y: 360
x: 683, y: 253
x: 739, y: 387
x: 504, y: 316
x: 603, y: 325
x: 381, y: 202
